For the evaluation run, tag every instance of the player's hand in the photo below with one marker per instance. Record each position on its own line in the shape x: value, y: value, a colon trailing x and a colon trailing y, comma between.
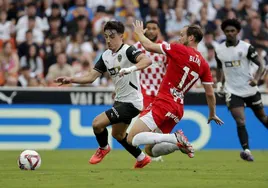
x: 63, y: 80
x: 125, y: 71
x: 253, y: 82
x: 219, y: 90
x: 216, y: 119
x: 138, y: 27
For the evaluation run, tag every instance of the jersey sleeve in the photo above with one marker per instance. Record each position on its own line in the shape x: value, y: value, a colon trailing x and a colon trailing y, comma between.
x: 132, y: 54
x: 169, y: 49
x: 206, y: 77
x: 100, y: 66
x: 252, y: 54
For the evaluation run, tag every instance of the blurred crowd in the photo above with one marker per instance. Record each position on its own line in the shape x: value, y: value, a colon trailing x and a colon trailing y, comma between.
x: 43, y: 39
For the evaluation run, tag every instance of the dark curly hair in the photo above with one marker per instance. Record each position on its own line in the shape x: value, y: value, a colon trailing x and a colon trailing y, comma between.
x: 231, y: 22
x: 116, y: 25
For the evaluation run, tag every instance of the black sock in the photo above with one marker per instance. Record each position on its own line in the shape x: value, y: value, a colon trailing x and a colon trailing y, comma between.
x: 102, y: 138
x: 243, y: 136
x: 135, y: 151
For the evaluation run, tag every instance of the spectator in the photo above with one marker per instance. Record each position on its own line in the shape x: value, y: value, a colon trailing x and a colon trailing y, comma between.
x: 256, y: 34
x: 6, y: 27
x: 175, y: 25
x: 33, y: 61
x: 40, y: 24
x: 61, y: 68
x: 38, y: 36
x: 24, y: 46
x: 9, y: 65
x: 79, y: 9
x: 77, y: 47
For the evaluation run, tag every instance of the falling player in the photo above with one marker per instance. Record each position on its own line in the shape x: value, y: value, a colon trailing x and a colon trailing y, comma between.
x: 186, y: 66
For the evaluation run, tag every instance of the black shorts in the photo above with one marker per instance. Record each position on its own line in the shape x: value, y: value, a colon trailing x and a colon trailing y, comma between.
x: 122, y: 112
x: 254, y: 101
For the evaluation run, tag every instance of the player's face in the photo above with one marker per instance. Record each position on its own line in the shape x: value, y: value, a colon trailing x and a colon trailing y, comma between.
x: 152, y: 31
x: 230, y: 33
x: 113, y: 39
x: 183, y: 39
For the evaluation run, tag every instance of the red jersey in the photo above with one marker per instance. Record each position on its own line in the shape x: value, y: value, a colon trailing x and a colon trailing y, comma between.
x: 186, y: 66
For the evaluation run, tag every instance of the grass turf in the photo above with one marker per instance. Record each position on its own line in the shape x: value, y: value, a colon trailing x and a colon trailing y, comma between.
x: 69, y: 168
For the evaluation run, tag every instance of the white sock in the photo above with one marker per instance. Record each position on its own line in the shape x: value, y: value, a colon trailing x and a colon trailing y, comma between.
x: 153, y: 138
x: 105, y: 147
x: 141, y: 156
x: 164, y: 148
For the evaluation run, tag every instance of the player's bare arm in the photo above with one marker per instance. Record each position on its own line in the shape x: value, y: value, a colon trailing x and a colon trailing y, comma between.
x: 211, y: 100
x: 253, y: 56
x: 146, y: 43
x: 220, y: 77
x: 89, y: 78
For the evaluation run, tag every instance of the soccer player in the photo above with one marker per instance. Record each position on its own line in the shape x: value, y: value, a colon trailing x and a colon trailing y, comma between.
x: 185, y: 66
x: 233, y: 61
x: 128, y: 99
x: 152, y: 76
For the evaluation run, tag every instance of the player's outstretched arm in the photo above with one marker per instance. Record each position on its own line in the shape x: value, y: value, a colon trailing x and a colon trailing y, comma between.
x: 146, y: 43
x: 89, y: 78
x: 211, y: 100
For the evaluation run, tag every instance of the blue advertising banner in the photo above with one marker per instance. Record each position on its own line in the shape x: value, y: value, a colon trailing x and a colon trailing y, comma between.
x: 69, y: 127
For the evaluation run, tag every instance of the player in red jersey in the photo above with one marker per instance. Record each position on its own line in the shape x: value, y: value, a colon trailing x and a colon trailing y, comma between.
x: 151, y: 77
x: 186, y: 66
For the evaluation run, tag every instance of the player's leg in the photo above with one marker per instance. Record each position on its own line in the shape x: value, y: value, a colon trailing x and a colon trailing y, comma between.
x: 255, y: 103
x: 120, y: 134
x: 140, y: 134
x: 127, y: 111
x: 99, y: 127
x: 161, y: 149
x: 236, y: 106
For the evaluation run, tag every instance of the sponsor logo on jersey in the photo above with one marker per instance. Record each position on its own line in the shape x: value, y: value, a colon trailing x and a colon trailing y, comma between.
x: 114, y: 71
x: 232, y: 63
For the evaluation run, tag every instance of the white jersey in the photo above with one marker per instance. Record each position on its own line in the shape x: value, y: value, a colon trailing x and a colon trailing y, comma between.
x: 127, y: 88
x: 236, y: 64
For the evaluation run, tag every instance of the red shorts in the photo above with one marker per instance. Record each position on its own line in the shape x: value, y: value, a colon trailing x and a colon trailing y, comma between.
x: 162, y: 114
x: 147, y: 100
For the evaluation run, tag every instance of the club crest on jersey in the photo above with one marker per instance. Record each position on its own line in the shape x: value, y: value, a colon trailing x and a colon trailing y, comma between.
x: 240, y: 54
x: 119, y: 57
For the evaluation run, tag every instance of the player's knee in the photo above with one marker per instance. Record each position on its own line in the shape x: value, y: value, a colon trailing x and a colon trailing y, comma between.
x: 96, y: 125
x: 129, y: 139
x: 118, y: 136
x: 240, y: 121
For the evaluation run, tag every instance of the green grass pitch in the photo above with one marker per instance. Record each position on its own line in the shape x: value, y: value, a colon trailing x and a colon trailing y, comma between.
x: 70, y: 168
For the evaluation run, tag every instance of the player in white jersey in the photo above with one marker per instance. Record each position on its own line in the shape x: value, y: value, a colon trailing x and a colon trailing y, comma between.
x: 233, y: 59
x: 151, y: 77
x: 128, y: 98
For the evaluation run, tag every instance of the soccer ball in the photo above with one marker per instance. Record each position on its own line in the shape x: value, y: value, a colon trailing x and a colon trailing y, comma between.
x: 29, y: 160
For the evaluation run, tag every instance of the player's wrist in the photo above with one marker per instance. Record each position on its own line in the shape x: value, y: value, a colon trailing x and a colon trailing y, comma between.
x: 132, y: 68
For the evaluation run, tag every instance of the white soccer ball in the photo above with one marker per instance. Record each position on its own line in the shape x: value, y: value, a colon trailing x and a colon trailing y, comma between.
x: 29, y: 160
